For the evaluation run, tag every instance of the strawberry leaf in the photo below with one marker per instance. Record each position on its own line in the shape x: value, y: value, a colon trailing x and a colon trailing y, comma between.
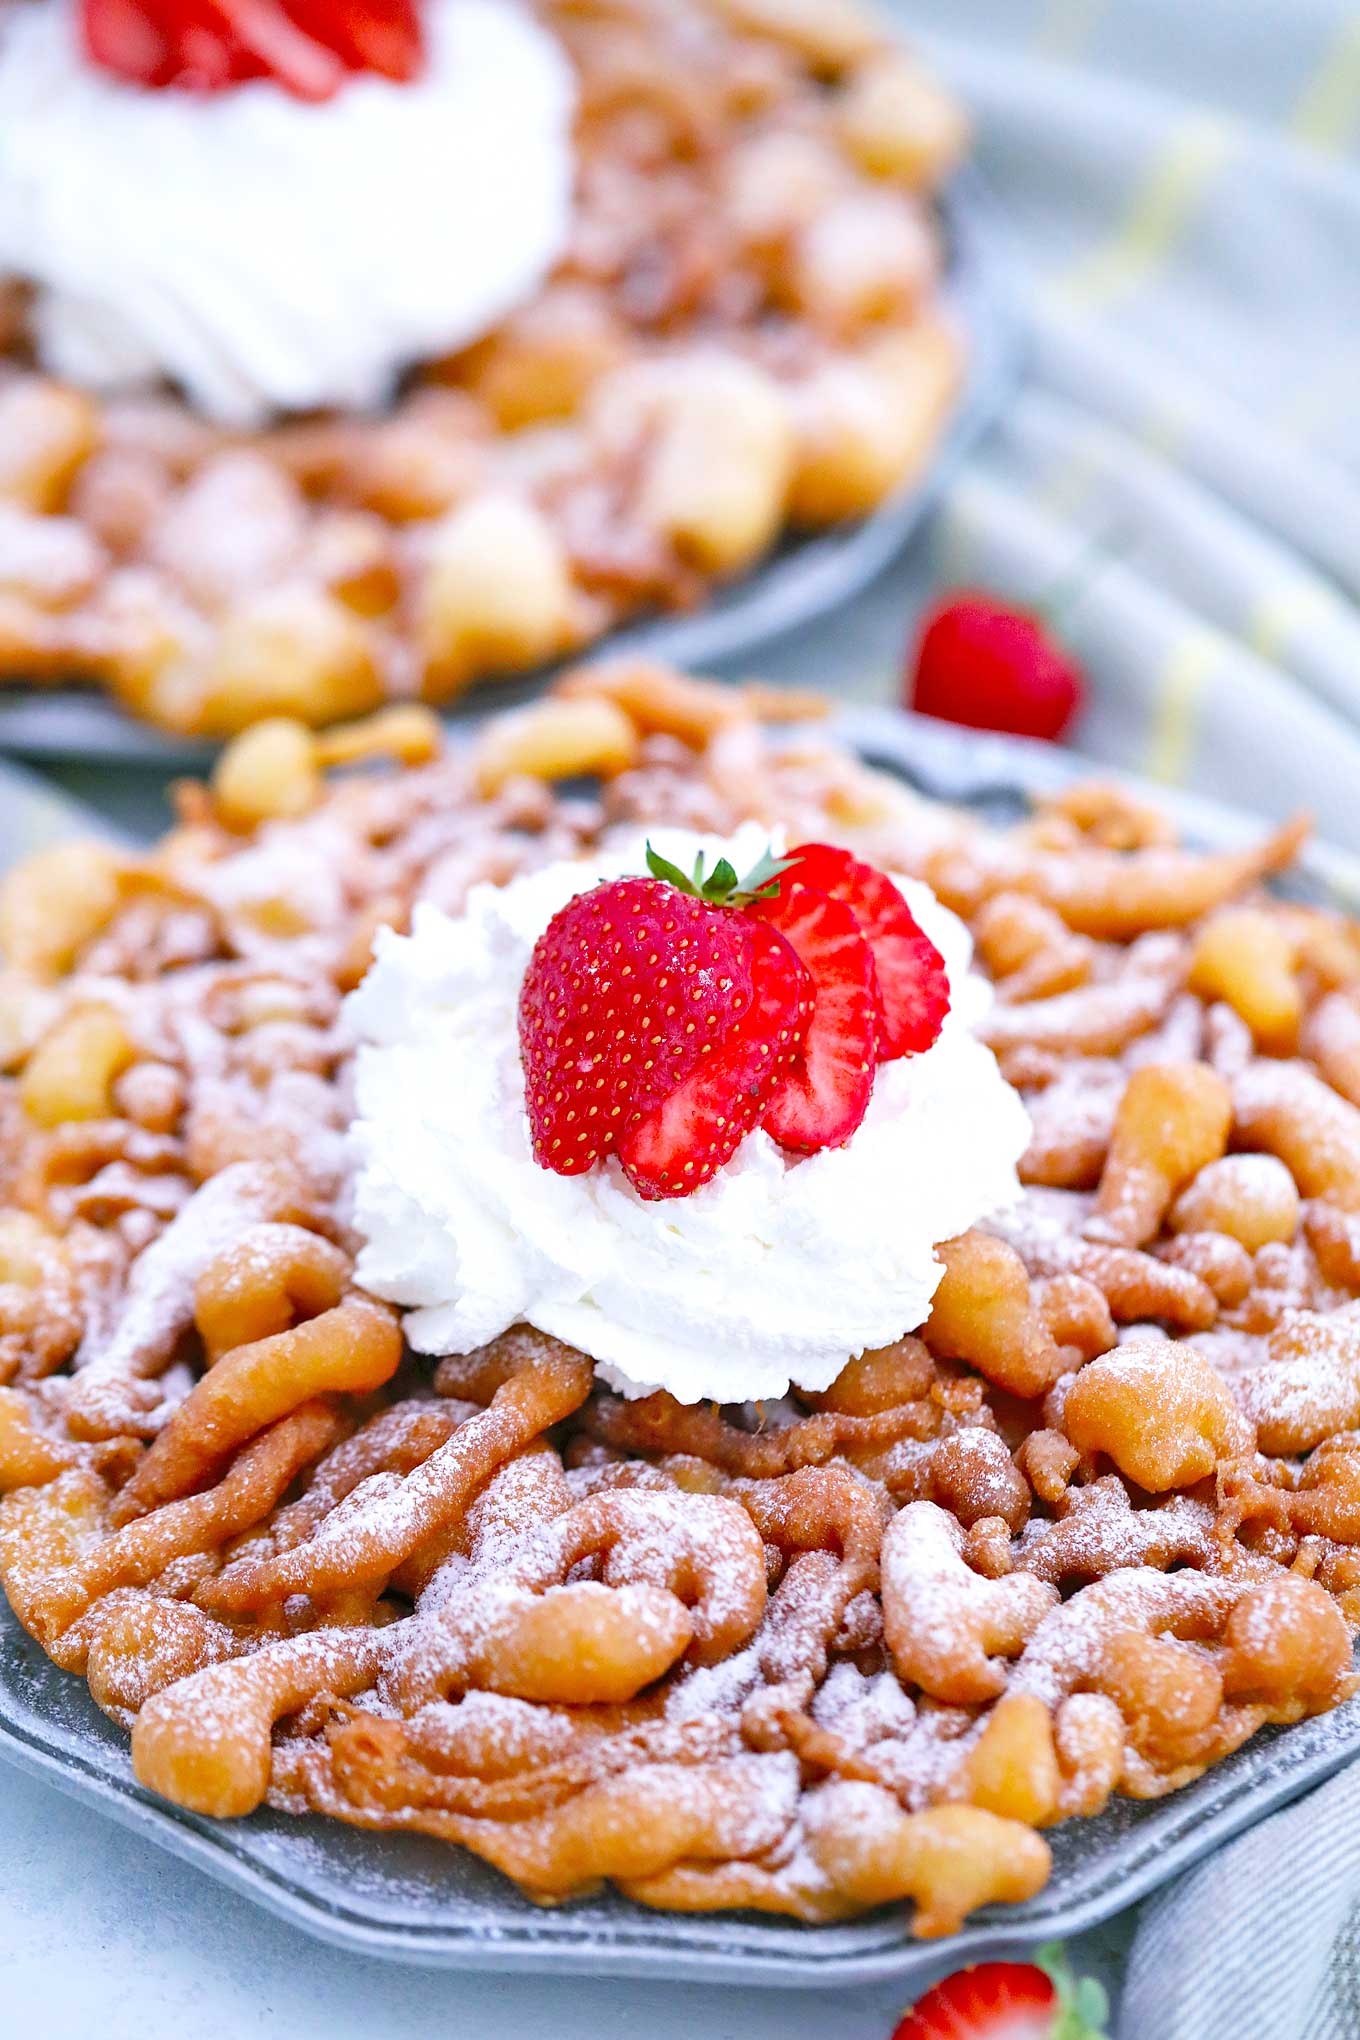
x: 661, y: 867
x: 1083, y: 2006
x: 722, y: 887
x: 762, y: 880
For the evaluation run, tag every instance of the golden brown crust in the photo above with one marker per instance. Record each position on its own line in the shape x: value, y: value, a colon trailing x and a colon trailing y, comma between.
x: 745, y: 333
x: 1082, y: 1534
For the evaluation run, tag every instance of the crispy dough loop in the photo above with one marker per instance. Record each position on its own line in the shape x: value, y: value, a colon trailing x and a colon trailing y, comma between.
x: 672, y: 1576
x: 1193, y: 1664
x: 352, y: 1349
x: 857, y: 1648
x: 658, y: 1424
x: 1110, y: 895
x: 1135, y: 1285
x: 1159, y: 1410
x: 109, y: 1393
x: 1309, y: 1388
x: 57, y: 1555
x: 983, y: 1314
x: 1285, y: 1109
x: 31, y: 1452
x: 204, y: 1742
x: 140, y: 1643
x: 268, y: 1279
x: 946, y: 1626
x: 389, y: 1525
x: 1172, y: 1121
x: 864, y: 1852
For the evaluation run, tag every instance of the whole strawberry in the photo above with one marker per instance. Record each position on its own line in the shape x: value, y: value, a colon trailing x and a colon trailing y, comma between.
x: 990, y: 667
x: 629, y: 986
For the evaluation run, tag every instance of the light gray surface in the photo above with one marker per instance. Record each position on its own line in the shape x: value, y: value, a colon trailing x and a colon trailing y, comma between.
x: 102, y: 1934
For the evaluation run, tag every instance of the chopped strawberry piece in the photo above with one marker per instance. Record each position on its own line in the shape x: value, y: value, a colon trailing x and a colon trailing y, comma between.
x: 992, y: 668
x: 629, y: 985
x: 912, y: 983
x: 824, y: 1094
x: 994, y: 2001
x: 685, y: 1140
x: 1010, y: 2001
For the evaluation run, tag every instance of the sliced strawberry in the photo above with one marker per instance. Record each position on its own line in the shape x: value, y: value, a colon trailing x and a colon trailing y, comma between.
x: 129, y: 38
x: 995, y: 2001
x: 629, y: 985
x: 912, y: 983
x: 687, y: 1138
x: 308, y: 47
x: 303, y: 67
x: 1009, y: 2001
x: 824, y: 1094
x: 382, y: 36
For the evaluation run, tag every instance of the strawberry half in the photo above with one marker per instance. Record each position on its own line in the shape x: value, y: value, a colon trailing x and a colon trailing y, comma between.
x: 824, y: 1093
x: 629, y: 986
x: 1009, y: 2001
x: 685, y: 1140
x: 913, y: 987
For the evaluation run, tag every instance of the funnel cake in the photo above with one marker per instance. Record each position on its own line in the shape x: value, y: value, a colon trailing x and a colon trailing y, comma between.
x: 1082, y: 1534
x: 744, y: 335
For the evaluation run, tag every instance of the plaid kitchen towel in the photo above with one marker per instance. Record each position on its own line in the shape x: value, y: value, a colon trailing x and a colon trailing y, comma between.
x: 1179, y: 183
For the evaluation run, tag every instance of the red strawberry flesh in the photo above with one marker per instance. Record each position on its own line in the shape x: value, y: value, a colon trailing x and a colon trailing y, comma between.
x: 994, y: 2001
x: 628, y: 987
x: 824, y: 1093
x: 128, y: 38
x: 992, y: 668
x: 308, y: 47
x: 305, y: 68
x: 367, y: 35
x: 685, y: 1140
x: 913, y: 986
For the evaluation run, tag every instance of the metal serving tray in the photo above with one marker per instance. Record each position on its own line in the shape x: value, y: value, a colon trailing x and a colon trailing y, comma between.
x: 417, y: 1900
x: 804, y: 578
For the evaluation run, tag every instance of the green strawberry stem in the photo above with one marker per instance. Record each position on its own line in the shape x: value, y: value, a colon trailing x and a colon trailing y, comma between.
x: 1083, y: 2006
x: 721, y: 887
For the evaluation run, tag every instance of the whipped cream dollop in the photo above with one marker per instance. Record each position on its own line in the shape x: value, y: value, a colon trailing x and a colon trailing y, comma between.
x: 779, y: 1270
x: 268, y: 254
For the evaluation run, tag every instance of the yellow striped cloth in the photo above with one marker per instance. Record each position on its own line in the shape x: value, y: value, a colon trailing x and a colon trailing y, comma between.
x: 1180, y: 184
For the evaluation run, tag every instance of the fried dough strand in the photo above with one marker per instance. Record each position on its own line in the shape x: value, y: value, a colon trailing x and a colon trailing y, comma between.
x: 1082, y: 1533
